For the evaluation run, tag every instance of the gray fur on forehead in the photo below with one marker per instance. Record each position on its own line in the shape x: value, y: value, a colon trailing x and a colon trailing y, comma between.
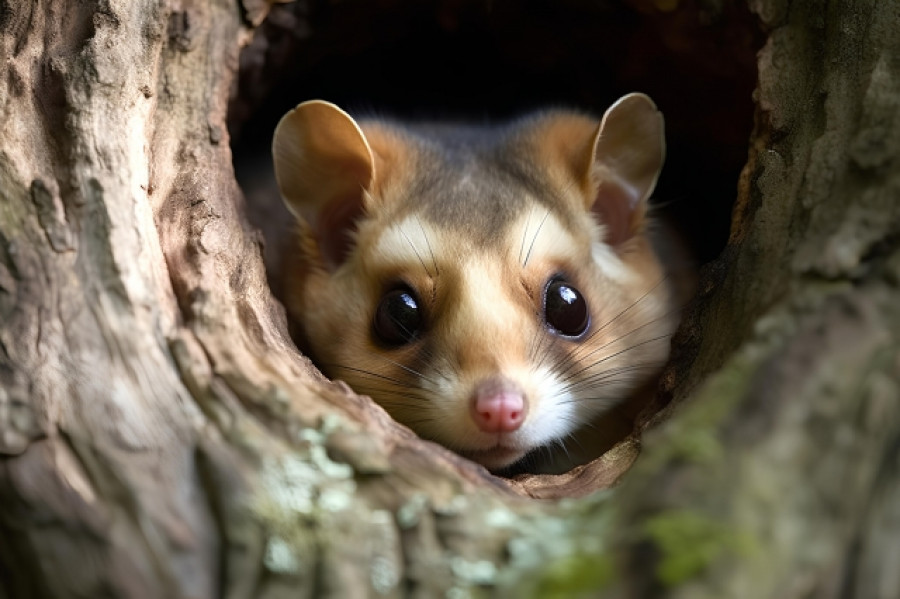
x: 476, y: 182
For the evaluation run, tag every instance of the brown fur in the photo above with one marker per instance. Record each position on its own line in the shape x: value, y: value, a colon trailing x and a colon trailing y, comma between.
x: 476, y: 221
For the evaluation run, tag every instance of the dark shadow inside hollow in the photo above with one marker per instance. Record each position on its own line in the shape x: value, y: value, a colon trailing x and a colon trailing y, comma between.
x: 488, y: 61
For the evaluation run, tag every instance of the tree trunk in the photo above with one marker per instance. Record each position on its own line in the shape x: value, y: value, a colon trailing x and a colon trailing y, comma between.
x: 160, y: 436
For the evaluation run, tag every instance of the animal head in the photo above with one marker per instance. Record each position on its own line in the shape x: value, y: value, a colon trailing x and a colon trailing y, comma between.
x: 492, y: 288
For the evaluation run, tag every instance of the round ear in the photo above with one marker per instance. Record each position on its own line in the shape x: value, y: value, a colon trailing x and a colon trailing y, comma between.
x: 628, y: 153
x: 324, y: 167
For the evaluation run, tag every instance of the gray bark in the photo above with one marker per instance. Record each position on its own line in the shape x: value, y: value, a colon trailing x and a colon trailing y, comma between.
x: 161, y: 437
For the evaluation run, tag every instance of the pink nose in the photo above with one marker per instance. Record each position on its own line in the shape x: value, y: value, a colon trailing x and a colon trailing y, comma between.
x: 498, y: 407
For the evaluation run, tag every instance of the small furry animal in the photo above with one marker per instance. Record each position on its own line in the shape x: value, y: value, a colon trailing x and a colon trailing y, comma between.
x: 495, y: 289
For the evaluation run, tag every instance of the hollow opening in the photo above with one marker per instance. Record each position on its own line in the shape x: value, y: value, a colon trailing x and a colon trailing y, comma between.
x: 491, y: 60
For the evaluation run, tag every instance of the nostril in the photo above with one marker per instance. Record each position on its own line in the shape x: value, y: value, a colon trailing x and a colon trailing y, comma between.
x: 498, y: 406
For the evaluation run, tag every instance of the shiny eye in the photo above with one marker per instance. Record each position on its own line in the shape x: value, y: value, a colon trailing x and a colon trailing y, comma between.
x: 565, y: 309
x: 398, y: 318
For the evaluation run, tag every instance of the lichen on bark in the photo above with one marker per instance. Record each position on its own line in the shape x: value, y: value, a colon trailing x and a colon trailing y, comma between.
x: 161, y: 436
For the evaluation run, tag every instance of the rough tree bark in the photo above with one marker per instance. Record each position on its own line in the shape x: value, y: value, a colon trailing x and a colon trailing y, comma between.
x: 161, y: 437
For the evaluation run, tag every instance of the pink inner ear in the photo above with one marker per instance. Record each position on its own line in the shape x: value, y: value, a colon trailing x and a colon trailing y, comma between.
x: 614, y: 208
x: 335, y: 227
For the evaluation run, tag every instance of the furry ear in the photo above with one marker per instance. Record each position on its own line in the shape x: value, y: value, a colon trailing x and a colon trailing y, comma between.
x: 324, y: 167
x: 628, y: 153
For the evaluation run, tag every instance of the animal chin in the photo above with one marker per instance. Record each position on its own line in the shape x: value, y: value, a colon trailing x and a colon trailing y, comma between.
x: 497, y: 457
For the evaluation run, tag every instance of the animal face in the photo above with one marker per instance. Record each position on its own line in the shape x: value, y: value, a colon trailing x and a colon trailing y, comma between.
x: 469, y: 283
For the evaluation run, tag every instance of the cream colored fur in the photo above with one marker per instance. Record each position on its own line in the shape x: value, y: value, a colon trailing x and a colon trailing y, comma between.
x: 480, y: 277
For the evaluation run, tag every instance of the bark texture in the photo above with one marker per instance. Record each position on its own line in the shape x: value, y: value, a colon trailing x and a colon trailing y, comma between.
x: 779, y: 479
x: 161, y: 437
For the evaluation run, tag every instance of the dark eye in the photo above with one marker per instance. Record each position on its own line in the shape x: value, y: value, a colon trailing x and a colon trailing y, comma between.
x: 565, y: 309
x: 398, y: 317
